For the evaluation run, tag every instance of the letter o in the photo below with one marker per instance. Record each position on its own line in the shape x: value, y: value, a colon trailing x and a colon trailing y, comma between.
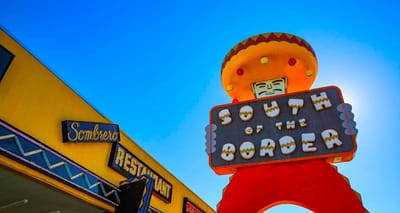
x: 247, y: 150
x: 246, y: 113
x: 115, y: 136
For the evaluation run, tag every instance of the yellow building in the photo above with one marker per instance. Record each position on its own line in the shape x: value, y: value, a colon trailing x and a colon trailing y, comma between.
x: 58, y: 154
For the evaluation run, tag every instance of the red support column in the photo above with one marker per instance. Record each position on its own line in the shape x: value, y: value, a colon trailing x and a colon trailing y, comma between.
x: 312, y: 184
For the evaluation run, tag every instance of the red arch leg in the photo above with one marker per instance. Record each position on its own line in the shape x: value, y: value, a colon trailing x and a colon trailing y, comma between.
x: 313, y: 184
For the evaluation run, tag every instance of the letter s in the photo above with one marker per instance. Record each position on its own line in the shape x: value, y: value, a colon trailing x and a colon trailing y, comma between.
x: 74, y: 136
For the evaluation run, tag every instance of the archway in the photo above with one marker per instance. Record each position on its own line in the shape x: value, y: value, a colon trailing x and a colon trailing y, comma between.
x: 286, y: 208
x: 313, y: 184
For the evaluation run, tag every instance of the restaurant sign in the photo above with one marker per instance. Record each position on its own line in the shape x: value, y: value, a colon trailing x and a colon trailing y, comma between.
x: 297, y: 126
x: 81, y: 131
x: 127, y: 164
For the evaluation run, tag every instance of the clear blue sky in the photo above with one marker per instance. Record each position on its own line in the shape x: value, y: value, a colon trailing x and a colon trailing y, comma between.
x: 153, y: 68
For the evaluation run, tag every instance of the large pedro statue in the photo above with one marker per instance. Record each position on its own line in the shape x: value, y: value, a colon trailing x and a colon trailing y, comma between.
x: 279, y: 138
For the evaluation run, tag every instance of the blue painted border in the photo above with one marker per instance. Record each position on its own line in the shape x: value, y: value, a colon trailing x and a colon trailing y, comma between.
x: 33, y: 153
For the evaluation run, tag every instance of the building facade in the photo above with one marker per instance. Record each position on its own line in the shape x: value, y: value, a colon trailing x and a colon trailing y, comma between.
x: 58, y: 154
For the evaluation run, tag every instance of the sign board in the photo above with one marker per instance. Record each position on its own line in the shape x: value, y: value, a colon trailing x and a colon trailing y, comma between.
x: 127, y: 164
x: 297, y: 126
x: 189, y: 207
x: 82, y: 131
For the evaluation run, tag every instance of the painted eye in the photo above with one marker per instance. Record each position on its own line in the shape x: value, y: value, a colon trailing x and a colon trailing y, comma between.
x: 240, y: 71
x: 292, y: 61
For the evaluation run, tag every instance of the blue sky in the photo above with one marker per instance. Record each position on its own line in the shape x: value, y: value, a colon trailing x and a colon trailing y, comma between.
x: 153, y: 67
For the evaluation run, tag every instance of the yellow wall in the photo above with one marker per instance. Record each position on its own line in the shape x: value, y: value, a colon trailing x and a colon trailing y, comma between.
x: 35, y: 101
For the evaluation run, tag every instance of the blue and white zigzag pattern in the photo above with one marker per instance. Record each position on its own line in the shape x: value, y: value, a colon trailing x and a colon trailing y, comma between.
x: 37, y: 155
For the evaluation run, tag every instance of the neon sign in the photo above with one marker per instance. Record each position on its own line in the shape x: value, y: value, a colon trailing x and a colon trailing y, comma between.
x: 127, y: 164
x: 296, y: 126
x: 80, y: 131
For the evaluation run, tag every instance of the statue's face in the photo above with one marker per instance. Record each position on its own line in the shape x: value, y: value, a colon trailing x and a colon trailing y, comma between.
x: 269, y: 87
